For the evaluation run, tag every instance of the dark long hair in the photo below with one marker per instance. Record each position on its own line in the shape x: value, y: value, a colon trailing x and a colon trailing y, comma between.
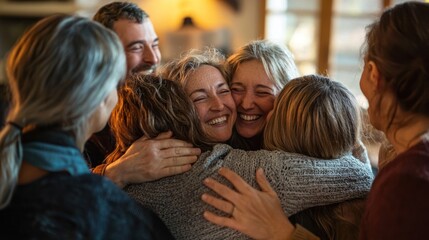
x: 398, y: 43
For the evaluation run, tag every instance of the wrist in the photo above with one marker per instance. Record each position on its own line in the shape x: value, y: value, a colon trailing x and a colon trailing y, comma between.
x: 114, y: 174
x: 300, y: 233
x: 286, y: 231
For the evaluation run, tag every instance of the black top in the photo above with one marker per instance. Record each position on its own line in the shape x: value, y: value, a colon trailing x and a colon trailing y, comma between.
x: 60, y: 206
x: 86, y: 206
x: 4, y: 103
x: 99, y: 146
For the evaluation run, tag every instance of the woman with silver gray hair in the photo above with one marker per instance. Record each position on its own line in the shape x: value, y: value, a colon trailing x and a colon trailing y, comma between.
x: 63, y: 74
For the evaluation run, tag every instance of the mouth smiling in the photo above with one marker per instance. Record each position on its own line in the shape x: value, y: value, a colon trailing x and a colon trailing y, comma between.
x: 144, y: 69
x: 218, y: 121
x: 246, y: 117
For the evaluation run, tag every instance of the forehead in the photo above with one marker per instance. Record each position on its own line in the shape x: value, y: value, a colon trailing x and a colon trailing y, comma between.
x: 251, y: 73
x: 129, y: 31
x: 204, y: 77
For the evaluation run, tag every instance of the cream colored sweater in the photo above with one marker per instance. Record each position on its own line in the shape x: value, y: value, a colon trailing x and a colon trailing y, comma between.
x: 300, y: 181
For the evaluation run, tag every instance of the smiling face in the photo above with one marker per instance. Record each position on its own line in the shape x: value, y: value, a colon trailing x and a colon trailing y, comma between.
x: 140, y: 43
x: 254, y: 94
x: 212, y: 99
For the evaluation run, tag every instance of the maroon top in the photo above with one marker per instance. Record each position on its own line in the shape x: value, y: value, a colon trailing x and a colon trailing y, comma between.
x: 398, y: 203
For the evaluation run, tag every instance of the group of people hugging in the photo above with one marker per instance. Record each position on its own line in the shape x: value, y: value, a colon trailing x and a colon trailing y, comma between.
x: 102, y: 143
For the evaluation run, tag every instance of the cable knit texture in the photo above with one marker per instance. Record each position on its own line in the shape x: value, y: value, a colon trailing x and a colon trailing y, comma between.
x: 300, y: 181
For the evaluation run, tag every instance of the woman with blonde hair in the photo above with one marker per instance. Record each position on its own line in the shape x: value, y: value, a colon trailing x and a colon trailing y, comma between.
x: 63, y: 74
x: 302, y: 181
x: 308, y: 108
x: 257, y: 72
x: 395, y: 79
x: 198, y: 71
x: 305, y: 120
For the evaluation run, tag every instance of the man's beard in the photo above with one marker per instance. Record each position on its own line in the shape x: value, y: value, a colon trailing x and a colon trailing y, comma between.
x: 144, y: 69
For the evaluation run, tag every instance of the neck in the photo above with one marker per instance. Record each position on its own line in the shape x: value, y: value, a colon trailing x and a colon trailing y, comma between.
x: 405, y: 136
x: 29, y: 173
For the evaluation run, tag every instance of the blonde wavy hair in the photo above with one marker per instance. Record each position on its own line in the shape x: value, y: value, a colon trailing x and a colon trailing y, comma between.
x: 314, y: 116
x: 181, y: 68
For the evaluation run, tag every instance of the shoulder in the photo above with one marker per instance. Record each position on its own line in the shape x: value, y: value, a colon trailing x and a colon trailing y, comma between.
x: 403, y: 184
x: 408, y: 168
x: 407, y: 173
x: 85, y: 206
x: 62, y: 191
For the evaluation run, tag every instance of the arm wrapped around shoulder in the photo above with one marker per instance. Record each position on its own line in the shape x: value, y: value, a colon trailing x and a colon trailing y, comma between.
x: 308, y: 182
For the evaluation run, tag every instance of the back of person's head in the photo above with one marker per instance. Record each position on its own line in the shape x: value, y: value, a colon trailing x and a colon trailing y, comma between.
x: 277, y: 60
x: 314, y: 116
x: 112, y: 12
x: 59, y: 72
x: 149, y: 105
x: 181, y: 68
x: 398, y: 43
x: 340, y: 221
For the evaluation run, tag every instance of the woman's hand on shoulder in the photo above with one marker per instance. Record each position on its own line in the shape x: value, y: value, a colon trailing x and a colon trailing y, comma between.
x: 151, y: 159
x: 258, y: 214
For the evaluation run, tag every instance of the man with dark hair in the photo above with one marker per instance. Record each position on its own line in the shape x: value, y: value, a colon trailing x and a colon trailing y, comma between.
x: 135, y: 29
x: 146, y: 159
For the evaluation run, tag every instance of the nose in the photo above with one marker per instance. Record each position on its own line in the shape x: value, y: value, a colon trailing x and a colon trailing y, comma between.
x: 247, y: 100
x: 216, y: 104
x: 150, y: 56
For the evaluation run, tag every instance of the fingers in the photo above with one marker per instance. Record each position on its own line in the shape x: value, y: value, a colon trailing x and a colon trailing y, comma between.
x: 164, y: 140
x: 263, y: 182
x: 178, y: 161
x: 221, y: 205
x: 176, y: 152
x: 164, y: 135
x: 171, y: 143
x: 221, y: 189
x: 170, y: 171
x: 142, y: 139
x: 235, y: 179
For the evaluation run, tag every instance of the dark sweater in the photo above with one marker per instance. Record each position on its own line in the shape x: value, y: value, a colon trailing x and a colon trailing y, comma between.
x: 99, y: 146
x: 398, y: 203
x: 61, y: 205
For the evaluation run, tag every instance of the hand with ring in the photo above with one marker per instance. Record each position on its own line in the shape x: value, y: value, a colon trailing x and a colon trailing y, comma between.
x: 258, y: 214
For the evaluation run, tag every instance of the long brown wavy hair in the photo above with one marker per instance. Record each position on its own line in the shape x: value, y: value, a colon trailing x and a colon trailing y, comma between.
x: 149, y: 105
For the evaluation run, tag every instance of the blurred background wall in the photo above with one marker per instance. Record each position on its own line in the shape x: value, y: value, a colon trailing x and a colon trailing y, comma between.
x: 226, y: 24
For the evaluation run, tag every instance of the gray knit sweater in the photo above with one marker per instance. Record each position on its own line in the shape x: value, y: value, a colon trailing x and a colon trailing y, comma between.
x: 300, y: 181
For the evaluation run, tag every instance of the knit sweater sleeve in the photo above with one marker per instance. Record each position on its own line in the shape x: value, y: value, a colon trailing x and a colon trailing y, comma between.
x: 300, y: 181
